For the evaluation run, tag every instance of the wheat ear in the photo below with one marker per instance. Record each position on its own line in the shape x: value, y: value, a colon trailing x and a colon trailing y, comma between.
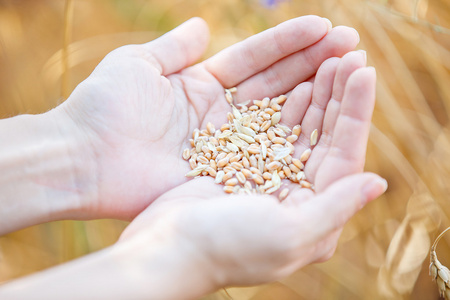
x: 439, y: 272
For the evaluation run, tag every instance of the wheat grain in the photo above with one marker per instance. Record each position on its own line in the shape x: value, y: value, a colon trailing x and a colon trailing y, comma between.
x: 300, y: 176
x: 219, y: 176
x: 276, y: 179
x: 279, y: 132
x: 228, y: 175
x: 276, y: 118
x: 186, y: 154
x: 305, y: 155
x: 228, y: 189
x: 313, y: 139
x: 252, y: 147
x: 258, y: 179
x: 279, y: 140
x: 287, y: 171
x: 305, y: 184
x: 292, y: 138
x: 241, y: 177
x: 296, y: 130
x: 265, y: 103
x: 280, y: 100
x: 231, y: 181
x: 283, y: 194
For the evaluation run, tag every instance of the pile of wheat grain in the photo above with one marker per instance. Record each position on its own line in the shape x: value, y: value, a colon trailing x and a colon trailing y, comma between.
x: 251, y: 153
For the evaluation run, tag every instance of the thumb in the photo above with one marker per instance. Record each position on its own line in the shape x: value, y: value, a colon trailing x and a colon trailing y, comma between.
x: 332, y: 208
x: 180, y: 47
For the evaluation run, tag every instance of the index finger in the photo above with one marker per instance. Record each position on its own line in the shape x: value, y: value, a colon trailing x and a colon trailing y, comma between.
x: 244, y: 59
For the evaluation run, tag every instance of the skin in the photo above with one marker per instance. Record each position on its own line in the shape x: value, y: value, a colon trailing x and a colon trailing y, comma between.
x: 113, y: 149
x: 119, y: 118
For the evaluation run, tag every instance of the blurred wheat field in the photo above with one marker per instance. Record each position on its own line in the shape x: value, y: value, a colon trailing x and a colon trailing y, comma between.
x: 47, y: 47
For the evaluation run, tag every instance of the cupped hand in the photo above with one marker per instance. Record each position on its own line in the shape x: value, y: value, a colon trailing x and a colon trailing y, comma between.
x: 252, y: 239
x: 234, y: 240
x: 140, y: 105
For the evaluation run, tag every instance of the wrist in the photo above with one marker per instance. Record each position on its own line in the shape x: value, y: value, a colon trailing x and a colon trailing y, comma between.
x: 129, y: 270
x: 45, y: 173
x: 80, y: 183
x: 173, y: 267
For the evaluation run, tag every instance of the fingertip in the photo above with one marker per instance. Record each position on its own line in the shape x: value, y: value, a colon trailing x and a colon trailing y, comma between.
x: 355, y: 59
x: 200, y: 26
x: 347, y: 37
x: 200, y: 22
x: 330, y: 64
x: 371, y: 70
x: 357, y: 35
x: 328, y: 23
x: 363, y: 53
x: 180, y: 47
x: 349, y: 63
x: 308, y: 29
x: 303, y: 88
x: 313, y: 19
x: 373, y: 188
x: 296, y: 104
x: 365, y: 74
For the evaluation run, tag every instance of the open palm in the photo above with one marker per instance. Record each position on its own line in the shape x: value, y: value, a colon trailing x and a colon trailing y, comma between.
x: 339, y: 103
x: 142, y: 102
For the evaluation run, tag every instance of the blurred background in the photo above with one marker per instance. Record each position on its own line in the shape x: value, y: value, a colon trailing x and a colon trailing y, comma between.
x: 47, y: 47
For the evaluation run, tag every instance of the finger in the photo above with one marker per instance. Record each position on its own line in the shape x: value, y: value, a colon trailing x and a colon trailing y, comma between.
x: 297, y: 196
x: 326, y: 247
x: 180, y: 47
x: 257, y: 52
x: 202, y: 188
x: 332, y: 208
x: 296, y: 104
x: 348, y: 64
x: 348, y: 147
x: 285, y: 74
x: 322, y: 89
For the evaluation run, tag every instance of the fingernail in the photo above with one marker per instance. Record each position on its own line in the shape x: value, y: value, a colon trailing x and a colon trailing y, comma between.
x: 357, y: 34
x: 372, y: 69
x: 329, y: 25
x: 364, y: 54
x: 373, y: 188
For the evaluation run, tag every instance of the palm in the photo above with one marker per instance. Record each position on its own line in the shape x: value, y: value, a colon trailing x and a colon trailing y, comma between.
x: 239, y: 232
x: 149, y: 102
x: 346, y: 100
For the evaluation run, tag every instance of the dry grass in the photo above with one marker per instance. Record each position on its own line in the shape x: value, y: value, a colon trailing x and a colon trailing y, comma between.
x: 383, y: 250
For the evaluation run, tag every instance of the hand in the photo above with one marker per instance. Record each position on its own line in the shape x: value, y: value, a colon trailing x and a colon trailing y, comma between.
x: 246, y: 240
x: 198, y: 239
x: 141, y: 104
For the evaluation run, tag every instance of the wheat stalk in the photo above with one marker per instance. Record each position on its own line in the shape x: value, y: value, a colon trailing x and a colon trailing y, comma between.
x: 439, y: 272
x: 68, y: 20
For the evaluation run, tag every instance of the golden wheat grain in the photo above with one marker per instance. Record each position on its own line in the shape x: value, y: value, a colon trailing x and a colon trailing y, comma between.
x: 296, y: 130
x: 305, y: 155
x: 283, y: 194
x: 313, y: 139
